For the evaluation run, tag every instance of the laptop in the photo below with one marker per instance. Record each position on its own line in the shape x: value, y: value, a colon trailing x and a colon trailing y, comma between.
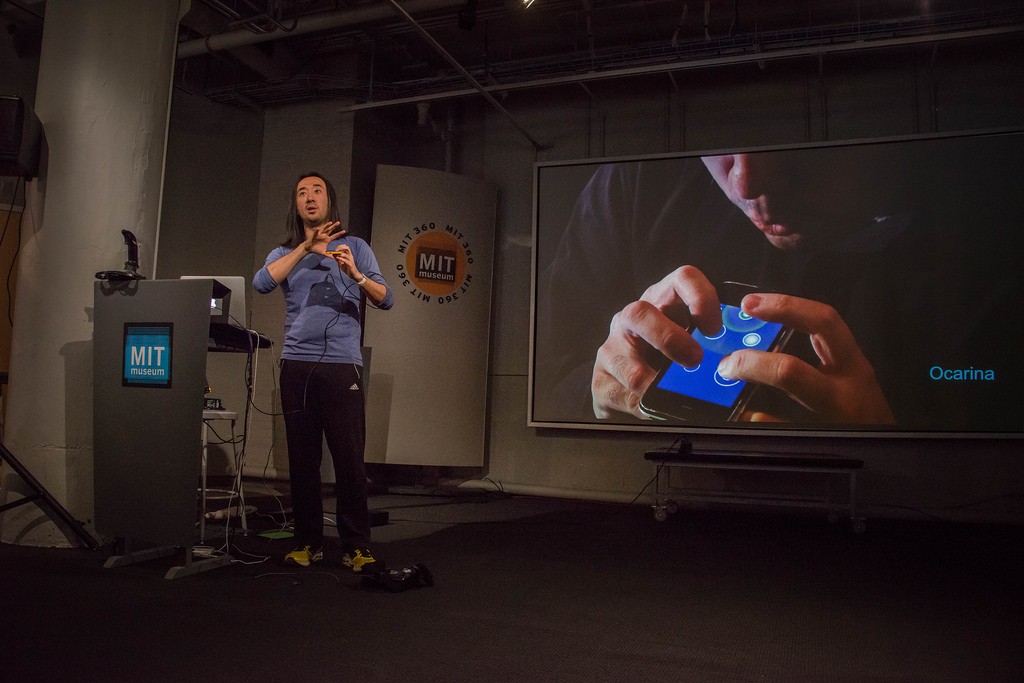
x: 227, y: 302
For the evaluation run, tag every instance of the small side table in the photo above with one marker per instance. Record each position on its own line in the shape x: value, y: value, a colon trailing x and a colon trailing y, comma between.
x: 209, y: 416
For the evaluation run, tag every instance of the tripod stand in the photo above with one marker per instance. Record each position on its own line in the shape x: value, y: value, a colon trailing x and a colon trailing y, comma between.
x: 52, y: 508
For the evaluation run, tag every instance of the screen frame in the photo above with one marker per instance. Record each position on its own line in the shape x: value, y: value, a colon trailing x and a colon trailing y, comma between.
x: 738, y: 430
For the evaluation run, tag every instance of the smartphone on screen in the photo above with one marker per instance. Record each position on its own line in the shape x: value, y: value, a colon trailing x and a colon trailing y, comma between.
x: 699, y: 393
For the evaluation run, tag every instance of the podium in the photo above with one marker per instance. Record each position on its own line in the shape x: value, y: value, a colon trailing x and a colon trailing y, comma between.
x: 149, y: 378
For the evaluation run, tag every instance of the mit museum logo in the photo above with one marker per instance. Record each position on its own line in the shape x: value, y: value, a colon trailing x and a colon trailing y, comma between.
x: 436, y: 264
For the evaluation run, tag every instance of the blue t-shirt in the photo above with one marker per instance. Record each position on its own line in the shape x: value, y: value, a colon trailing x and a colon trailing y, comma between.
x: 322, y: 321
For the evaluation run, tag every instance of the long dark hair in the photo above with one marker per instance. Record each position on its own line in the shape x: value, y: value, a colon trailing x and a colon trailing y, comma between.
x: 294, y: 225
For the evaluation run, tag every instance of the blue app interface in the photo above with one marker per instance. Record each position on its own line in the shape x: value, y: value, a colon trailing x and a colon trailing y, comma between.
x: 739, y: 331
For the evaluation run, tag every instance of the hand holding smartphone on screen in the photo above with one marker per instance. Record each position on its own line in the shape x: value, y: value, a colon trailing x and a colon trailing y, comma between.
x: 699, y: 392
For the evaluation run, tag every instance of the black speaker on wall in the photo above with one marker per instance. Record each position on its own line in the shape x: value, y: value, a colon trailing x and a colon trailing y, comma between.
x: 20, y: 138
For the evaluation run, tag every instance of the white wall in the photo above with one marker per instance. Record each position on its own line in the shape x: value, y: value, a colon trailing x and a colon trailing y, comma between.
x: 913, y: 91
x: 229, y: 181
x: 102, y: 98
x: 296, y: 139
x: 957, y: 87
x: 890, y: 94
x: 206, y: 226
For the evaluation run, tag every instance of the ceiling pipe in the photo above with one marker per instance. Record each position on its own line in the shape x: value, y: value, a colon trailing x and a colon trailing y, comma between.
x: 465, y: 74
x: 307, y: 24
x: 731, y: 60
x: 330, y: 20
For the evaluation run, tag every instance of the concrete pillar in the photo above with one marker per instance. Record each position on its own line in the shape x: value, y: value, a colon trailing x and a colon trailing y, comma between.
x: 103, y: 97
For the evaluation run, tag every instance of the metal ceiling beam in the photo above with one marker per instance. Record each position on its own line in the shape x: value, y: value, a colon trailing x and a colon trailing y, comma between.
x: 477, y: 86
x: 731, y: 60
x: 307, y: 24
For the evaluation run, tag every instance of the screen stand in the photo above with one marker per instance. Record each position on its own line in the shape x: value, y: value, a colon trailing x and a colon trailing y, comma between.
x: 65, y: 522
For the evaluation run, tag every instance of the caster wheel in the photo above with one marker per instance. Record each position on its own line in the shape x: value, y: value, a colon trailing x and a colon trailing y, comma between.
x: 858, y: 526
x: 660, y: 514
x: 672, y: 507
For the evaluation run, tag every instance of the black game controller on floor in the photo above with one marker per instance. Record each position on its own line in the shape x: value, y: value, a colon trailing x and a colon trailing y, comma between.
x: 398, y: 580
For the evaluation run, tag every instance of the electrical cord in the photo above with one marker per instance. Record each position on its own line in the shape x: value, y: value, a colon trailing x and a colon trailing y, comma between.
x: 285, y: 524
x: 294, y: 577
x: 276, y: 382
x: 305, y: 389
x: 221, y: 441
x: 346, y: 293
x: 236, y: 490
x: 259, y: 559
x: 657, y: 473
x: 673, y: 448
x: 947, y: 508
x: 14, y: 258
x: 251, y: 378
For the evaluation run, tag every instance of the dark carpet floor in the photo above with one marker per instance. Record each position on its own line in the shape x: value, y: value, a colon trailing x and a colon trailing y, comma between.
x: 530, y: 589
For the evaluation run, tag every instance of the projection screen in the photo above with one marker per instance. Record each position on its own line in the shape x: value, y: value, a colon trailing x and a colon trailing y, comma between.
x: 862, y: 288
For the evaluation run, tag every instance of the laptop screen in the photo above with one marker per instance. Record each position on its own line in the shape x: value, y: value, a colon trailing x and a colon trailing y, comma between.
x: 227, y: 300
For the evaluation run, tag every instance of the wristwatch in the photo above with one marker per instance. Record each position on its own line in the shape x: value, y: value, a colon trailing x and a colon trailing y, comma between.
x: 360, y: 281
